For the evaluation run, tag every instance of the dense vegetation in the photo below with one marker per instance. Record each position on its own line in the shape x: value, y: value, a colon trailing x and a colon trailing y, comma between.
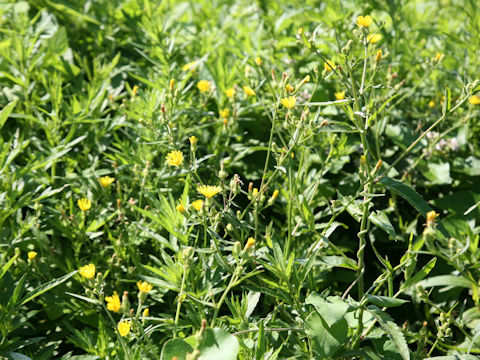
x: 239, y: 179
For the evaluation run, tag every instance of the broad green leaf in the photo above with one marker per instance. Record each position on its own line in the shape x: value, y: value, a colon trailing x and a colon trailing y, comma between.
x: 420, y: 275
x: 325, y: 340
x: 175, y: 348
x: 218, y: 344
x: 332, y: 309
x: 384, y: 301
x: 45, y: 287
x: 392, y: 329
x: 381, y: 219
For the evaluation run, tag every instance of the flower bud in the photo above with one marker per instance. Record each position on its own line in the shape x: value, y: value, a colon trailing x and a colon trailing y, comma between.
x: 258, y: 61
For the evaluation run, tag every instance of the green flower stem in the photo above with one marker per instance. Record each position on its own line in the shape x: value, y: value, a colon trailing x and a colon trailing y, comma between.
x: 179, y: 302
x: 230, y: 285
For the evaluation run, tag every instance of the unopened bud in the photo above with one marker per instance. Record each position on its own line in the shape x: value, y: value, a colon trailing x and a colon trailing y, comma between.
x: 378, y: 57
x: 172, y: 84
x: 258, y: 61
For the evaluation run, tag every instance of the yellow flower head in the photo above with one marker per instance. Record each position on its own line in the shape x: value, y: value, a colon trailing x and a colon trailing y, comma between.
x: 289, y: 88
x: 374, y: 38
x: 474, y: 100
x: 175, y: 158
x: 255, y: 192
x: 249, y: 91
x: 275, y: 194
x: 250, y: 242
x: 431, y: 216
x: 144, y: 286
x: 329, y: 65
x: 258, y: 61
x: 193, y: 140
x: 172, y: 84
x: 289, y: 102
x: 146, y: 312
x: 181, y: 208
x: 134, y: 90
x: 431, y: 104
x: 197, y: 204
x: 190, y: 66
x: 378, y: 56
x: 230, y: 92
x: 438, y: 57
x: 340, y: 95
x: 209, y: 191
x: 106, y: 181
x: 364, y: 21
x: 113, y: 302
x: 203, y: 85
x: 224, y: 113
x: 84, y: 204
x: 87, y: 271
x: 32, y: 255
x: 124, y: 328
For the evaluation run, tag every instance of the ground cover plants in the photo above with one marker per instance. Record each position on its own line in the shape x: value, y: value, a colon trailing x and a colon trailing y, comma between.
x: 239, y: 180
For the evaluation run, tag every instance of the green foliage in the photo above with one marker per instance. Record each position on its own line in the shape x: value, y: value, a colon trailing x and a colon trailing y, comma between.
x: 342, y: 221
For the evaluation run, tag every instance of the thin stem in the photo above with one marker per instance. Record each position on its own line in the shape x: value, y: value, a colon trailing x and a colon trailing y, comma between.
x: 179, y: 302
x: 233, y: 279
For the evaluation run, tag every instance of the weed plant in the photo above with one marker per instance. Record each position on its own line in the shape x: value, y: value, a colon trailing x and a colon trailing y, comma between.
x: 198, y: 180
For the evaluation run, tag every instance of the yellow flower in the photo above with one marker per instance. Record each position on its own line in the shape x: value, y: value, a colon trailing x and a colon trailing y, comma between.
x: 431, y: 216
x: 431, y: 104
x: 181, y: 208
x: 249, y: 91
x: 289, y: 88
x: 474, y: 100
x: 340, y: 95
x: 124, y: 328
x: 32, y: 255
x: 134, y: 90
x: 106, y: 181
x: 438, y: 57
x: 172, y: 84
x: 209, y: 191
x: 230, y: 92
x: 203, y: 85
x: 84, y: 204
x: 374, y: 38
x: 329, y: 65
x: 289, y: 102
x: 87, y: 271
x: 113, y: 302
x: 193, y: 140
x: 197, y: 204
x: 175, y: 158
x: 144, y: 286
x: 250, y: 242
x: 224, y: 113
x: 190, y: 66
x: 364, y: 21
x: 258, y: 61
x: 146, y: 312
x: 275, y: 194
x: 255, y: 192
x: 378, y: 56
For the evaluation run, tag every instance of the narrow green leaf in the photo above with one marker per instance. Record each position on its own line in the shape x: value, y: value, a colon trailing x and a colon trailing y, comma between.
x: 393, y: 330
x: 381, y: 219
x: 45, y: 287
x: 420, y: 275
x: 374, y: 116
x: 6, y: 111
x: 384, y: 301
x: 7, y: 266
